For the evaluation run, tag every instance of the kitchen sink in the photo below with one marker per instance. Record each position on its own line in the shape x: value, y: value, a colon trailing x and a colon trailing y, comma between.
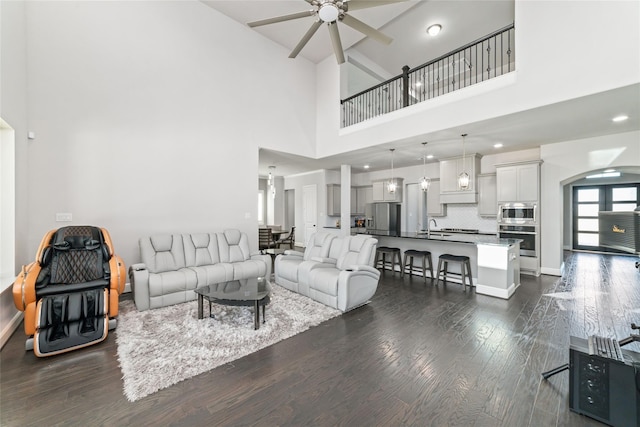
x: 433, y: 233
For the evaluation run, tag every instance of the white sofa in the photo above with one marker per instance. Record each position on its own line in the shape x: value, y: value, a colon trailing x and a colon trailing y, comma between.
x: 336, y: 271
x: 173, y: 265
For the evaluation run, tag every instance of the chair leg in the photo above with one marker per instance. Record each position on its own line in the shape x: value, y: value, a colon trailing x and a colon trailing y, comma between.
x: 410, y: 265
x: 430, y: 266
x: 439, y: 270
x: 405, y: 266
x: 463, y: 268
x: 424, y: 268
x: 468, y: 263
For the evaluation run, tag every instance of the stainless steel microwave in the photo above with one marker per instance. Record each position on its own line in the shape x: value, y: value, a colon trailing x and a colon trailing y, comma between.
x: 517, y: 213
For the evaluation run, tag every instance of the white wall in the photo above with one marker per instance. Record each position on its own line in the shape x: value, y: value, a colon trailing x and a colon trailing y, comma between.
x: 619, y: 150
x: 13, y: 110
x: 564, y: 58
x: 149, y: 121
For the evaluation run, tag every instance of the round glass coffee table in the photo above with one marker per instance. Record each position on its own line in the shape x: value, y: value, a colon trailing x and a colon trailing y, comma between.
x: 245, y: 292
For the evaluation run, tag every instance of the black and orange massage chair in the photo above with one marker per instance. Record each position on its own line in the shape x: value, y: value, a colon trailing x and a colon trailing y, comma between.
x: 69, y: 294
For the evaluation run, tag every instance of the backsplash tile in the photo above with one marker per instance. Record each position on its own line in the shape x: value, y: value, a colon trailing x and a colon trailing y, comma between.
x: 466, y: 216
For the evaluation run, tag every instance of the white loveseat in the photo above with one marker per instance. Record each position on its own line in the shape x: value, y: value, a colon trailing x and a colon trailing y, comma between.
x: 336, y: 271
x: 173, y: 265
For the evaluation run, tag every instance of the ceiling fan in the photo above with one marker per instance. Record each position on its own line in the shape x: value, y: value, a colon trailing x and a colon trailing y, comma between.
x: 330, y: 12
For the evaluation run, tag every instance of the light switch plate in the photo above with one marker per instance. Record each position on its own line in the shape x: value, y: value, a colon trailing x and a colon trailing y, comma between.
x: 63, y: 217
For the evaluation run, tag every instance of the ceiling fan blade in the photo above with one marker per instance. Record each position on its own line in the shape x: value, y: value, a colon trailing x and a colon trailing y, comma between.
x: 365, y: 29
x: 364, y: 4
x: 335, y: 41
x: 282, y: 18
x: 305, y: 39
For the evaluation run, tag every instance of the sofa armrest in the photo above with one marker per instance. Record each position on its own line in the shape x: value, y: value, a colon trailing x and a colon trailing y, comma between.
x: 294, y: 252
x: 284, y: 257
x: 139, y: 279
x: 356, y: 286
x: 362, y: 268
x: 331, y: 261
x: 266, y: 259
x: 137, y: 267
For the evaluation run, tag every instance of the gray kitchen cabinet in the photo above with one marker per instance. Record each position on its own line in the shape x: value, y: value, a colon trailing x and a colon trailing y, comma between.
x: 333, y: 200
x: 450, y: 169
x: 434, y: 206
x: 518, y: 182
x: 487, y: 195
x: 363, y: 196
x: 360, y: 196
x: 381, y: 194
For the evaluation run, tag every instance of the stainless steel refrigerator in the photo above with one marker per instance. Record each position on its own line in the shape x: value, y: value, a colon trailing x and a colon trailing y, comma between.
x: 386, y: 216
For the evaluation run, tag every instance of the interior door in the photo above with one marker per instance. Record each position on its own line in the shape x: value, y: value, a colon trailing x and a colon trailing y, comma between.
x: 309, y: 210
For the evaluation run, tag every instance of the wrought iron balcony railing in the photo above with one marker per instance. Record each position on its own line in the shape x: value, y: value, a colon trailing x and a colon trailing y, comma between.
x: 483, y: 59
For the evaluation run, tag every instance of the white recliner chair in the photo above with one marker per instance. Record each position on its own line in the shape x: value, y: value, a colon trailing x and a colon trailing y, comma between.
x: 352, y: 281
x: 288, y: 265
x: 341, y: 276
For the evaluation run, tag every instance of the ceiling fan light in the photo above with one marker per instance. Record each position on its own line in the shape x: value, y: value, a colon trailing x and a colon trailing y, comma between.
x: 434, y: 30
x: 328, y: 12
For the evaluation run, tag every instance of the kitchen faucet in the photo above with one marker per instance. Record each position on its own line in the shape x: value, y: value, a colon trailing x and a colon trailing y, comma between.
x: 435, y: 224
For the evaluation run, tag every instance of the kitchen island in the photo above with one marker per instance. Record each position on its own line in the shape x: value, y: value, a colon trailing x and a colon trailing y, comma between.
x: 495, y: 262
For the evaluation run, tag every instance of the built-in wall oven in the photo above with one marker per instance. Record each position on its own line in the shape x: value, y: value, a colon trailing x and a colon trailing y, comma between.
x: 529, y: 246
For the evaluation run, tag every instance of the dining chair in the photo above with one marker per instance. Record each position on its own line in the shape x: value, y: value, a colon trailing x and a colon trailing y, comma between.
x: 265, y: 238
x: 289, y: 239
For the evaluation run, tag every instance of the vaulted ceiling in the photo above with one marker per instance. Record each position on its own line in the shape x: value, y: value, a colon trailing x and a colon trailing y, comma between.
x: 406, y: 22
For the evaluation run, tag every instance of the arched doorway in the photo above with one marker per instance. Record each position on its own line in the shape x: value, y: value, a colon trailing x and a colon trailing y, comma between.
x: 599, y: 190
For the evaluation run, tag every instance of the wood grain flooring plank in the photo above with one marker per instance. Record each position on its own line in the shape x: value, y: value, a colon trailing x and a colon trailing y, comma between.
x: 418, y: 354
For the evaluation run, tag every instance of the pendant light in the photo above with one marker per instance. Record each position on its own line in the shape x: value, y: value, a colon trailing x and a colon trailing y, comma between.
x: 271, y: 182
x: 425, y: 181
x: 391, y: 185
x: 463, y: 178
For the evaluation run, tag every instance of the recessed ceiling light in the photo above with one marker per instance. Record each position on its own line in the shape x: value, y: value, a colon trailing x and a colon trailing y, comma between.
x: 498, y: 145
x: 430, y: 156
x: 418, y: 84
x: 366, y: 166
x: 434, y: 30
x: 620, y: 118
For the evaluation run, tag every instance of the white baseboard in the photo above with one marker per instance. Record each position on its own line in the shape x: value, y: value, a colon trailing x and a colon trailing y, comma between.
x: 551, y: 271
x: 492, y: 291
x: 10, y: 328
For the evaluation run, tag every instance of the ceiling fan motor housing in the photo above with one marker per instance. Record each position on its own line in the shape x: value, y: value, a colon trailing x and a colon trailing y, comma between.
x: 330, y: 10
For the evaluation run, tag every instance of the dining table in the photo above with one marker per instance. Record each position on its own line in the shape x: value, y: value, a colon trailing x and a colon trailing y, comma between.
x: 276, y: 234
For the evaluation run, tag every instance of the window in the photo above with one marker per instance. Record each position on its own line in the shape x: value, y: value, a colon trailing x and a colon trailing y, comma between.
x: 260, y: 206
x: 588, y: 201
x: 7, y: 212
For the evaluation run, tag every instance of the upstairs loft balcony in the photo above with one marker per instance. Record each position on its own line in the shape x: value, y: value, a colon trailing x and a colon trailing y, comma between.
x: 483, y: 59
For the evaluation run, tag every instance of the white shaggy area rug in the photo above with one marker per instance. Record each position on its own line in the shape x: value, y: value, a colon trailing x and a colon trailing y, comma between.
x: 160, y: 347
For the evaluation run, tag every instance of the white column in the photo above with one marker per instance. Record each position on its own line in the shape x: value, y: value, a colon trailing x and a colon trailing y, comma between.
x: 345, y: 200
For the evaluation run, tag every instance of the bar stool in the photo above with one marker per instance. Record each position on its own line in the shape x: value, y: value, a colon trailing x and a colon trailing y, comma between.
x: 425, y: 256
x: 465, y: 264
x: 381, y: 258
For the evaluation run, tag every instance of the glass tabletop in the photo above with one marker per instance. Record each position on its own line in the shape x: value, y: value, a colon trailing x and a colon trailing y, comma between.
x: 254, y: 289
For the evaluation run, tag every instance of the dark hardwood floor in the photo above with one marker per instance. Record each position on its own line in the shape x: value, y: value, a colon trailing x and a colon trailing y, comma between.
x: 416, y: 355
